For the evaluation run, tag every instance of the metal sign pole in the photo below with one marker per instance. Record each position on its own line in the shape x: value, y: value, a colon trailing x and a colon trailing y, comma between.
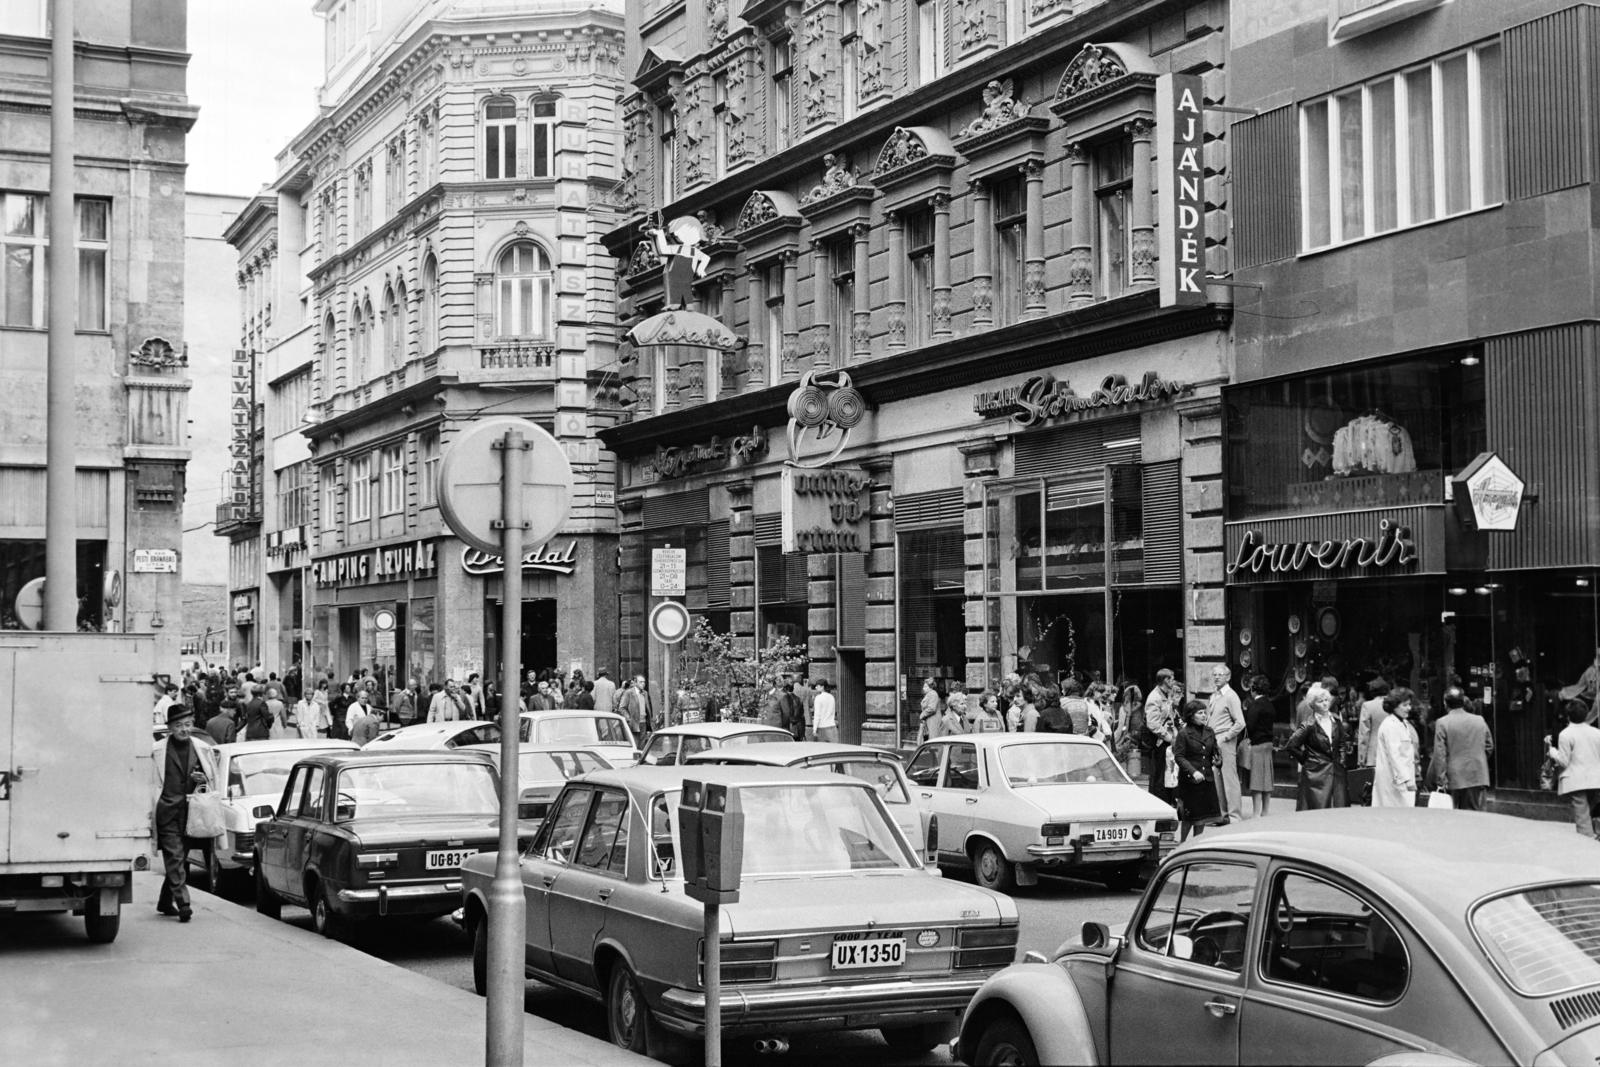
x: 713, y: 984
x: 507, y: 920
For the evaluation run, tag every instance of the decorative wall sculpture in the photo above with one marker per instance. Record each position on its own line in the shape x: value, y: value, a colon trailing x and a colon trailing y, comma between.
x: 1000, y: 108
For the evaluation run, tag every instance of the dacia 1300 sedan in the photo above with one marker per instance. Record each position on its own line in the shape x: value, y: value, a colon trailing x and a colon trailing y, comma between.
x: 1392, y: 936
x: 838, y: 925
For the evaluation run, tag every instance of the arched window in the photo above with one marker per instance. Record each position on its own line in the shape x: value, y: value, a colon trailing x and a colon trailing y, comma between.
x: 326, y: 369
x: 358, y: 334
x: 402, y: 344
x: 500, y: 139
x: 523, y: 277
x: 371, y: 321
x: 391, y: 329
x: 430, y: 305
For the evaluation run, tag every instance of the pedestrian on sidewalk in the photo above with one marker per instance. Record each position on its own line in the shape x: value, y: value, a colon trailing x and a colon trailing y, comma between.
x: 1315, y: 747
x: 1394, y: 771
x: 305, y: 714
x: 356, y: 712
x: 1258, y: 718
x: 635, y: 706
x: 1160, y: 716
x: 1577, y: 753
x: 823, y: 713
x: 366, y: 725
x: 1195, y: 749
x: 258, y: 718
x: 1128, y: 734
x: 1227, y: 722
x: 275, y: 711
x: 181, y: 766
x: 932, y: 709
x: 450, y: 705
x: 582, y: 696
x: 987, y: 719
x: 1461, y: 747
x: 223, y: 727
x: 605, y: 691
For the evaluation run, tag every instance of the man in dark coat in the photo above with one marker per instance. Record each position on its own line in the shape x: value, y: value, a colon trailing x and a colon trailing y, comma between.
x: 181, y: 766
x: 223, y: 728
x: 257, y: 716
x: 1461, y: 747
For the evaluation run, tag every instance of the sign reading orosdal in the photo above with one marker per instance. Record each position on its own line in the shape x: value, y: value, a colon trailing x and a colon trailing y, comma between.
x: 1180, y: 141
x: 1042, y: 397
x: 826, y: 510
x: 544, y: 558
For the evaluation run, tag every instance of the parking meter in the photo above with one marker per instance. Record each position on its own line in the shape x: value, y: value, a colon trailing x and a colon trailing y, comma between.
x: 711, y: 833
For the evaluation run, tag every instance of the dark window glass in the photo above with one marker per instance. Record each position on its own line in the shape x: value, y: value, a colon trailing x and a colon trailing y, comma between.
x: 1322, y: 937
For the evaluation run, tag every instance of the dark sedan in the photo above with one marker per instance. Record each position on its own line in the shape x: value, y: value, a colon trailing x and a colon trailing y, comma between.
x: 362, y: 834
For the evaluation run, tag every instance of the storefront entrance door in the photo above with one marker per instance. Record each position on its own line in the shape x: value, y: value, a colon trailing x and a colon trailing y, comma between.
x: 852, y: 695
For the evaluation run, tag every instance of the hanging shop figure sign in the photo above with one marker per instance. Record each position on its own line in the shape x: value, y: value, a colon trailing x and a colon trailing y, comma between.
x: 825, y: 510
x: 1393, y: 545
x: 1041, y: 397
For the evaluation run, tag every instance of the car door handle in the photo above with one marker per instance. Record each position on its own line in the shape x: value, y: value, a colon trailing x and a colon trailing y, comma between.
x: 605, y: 894
x: 1219, y: 1008
x: 927, y: 796
x: 972, y: 800
x: 549, y: 880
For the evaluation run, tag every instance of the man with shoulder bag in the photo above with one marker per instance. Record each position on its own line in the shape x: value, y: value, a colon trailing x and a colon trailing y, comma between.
x: 182, y: 765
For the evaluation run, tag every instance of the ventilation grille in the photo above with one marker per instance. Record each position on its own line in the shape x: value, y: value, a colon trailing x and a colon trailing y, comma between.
x: 717, y: 595
x: 768, y: 530
x: 851, y: 600
x: 780, y: 576
x: 1266, y: 186
x: 677, y: 509
x: 1079, y: 446
x: 928, y: 511
x: 1570, y: 1011
x: 1163, y: 524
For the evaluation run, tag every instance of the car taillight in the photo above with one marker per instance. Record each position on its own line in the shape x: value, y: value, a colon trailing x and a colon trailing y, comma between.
x: 1166, y: 826
x: 1055, y: 833
x: 745, y: 961
x: 244, y: 842
x: 377, y: 859
x: 107, y: 879
x: 537, y: 809
x: 985, y: 946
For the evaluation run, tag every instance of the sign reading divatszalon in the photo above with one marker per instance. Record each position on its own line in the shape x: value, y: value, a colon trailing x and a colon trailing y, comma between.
x: 1181, y: 200
x: 1041, y: 396
x: 826, y: 510
x: 390, y: 564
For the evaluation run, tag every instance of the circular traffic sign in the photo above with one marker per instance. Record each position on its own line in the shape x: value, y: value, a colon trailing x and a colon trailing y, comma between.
x: 469, y: 484
x: 383, y: 620
x: 30, y: 604
x: 669, y: 622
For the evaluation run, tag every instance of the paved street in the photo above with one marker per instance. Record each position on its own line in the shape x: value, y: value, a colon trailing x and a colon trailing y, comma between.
x: 1051, y: 913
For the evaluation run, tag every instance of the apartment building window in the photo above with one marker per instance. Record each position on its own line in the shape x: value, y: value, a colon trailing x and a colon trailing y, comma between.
x: 329, y: 477
x: 1113, y: 186
x: 359, y: 487
x: 1405, y: 149
x: 428, y: 489
x: 23, y: 18
x: 782, y: 86
x: 841, y: 266
x: 849, y: 46
x: 930, y: 41
x: 543, y: 158
x: 360, y: 342
x: 23, y: 290
x: 291, y: 399
x: 667, y: 153
x: 499, y: 139
x: 523, y: 282
x: 1010, y: 227
x: 719, y: 123
x: 363, y: 213
x: 919, y: 277
x: 425, y: 150
x: 394, y: 178
x: 430, y: 305
x: 294, y: 495
x: 393, y: 329
x: 774, y: 330
x: 392, y: 487
x: 327, y: 220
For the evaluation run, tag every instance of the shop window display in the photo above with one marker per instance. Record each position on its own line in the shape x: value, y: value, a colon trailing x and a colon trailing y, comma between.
x: 931, y: 572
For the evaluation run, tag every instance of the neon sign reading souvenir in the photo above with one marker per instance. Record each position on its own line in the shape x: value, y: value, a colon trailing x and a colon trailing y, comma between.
x: 1393, y: 545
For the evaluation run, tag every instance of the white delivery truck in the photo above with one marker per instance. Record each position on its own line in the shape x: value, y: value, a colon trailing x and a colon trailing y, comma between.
x: 75, y: 774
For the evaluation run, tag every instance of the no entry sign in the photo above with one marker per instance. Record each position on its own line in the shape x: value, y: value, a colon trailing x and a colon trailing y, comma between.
x: 669, y: 622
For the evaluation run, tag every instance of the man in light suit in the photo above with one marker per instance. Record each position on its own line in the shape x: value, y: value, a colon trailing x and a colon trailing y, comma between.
x: 1577, y: 753
x: 1461, y: 747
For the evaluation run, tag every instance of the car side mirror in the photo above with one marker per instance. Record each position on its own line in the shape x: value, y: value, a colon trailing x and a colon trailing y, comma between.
x: 1096, y: 935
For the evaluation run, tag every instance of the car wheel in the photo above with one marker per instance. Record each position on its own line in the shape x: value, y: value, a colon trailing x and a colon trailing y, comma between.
x: 329, y: 923
x: 480, y: 957
x: 102, y: 929
x: 992, y: 870
x: 627, y: 1014
x: 1121, y: 879
x: 913, y: 1040
x: 1005, y: 1043
x: 216, y: 877
x: 267, y: 902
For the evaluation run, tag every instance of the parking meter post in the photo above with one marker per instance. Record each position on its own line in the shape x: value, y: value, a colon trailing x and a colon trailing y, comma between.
x: 713, y: 984
x: 507, y: 921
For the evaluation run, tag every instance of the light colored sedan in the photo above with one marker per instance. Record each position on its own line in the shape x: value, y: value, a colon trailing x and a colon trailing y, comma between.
x: 1010, y: 805
x: 253, y: 773
x: 604, y: 732
x: 1388, y: 936
x: 435, y: 736
x: 542, y: 770
x: 879, y: 769
x: 674, y: 744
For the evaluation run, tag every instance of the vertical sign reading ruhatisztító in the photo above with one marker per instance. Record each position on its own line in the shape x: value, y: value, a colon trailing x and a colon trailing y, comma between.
x: 1181, y: 178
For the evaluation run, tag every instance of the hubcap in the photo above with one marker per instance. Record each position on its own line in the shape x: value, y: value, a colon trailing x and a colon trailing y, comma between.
x: 627, y: 1014
x: 989, y: 865
x: 1008, y: 1055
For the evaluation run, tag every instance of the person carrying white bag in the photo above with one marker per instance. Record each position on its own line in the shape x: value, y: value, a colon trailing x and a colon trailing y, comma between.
x: 1394, y: 778
x: 183, y: 763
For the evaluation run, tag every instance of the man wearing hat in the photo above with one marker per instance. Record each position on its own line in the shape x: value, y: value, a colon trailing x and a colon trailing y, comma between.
x: 182, y: 764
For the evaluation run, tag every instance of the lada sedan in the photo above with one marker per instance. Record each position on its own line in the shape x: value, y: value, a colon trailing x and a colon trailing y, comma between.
x: 674, y: 744
x: 541, y: 772
x: 254, y: 773
x: 838, y: 926
x: 437, y: 736
x: 1010, y: 805
x: 372, y: 834
x: 880, y: 769
x: 604, y: 732
x: 1356, y: 935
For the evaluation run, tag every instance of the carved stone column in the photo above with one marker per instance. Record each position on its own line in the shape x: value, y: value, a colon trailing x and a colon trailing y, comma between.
x: 1140, y: 222
x: 1080, y: 258
x: 791, y: 312
x: 982, y: 256
x: 896, y: 304
x: 821, y: 328
x: 861, y: 328
x: 742, y: 566
x: 882, y: 691
x: 1033, y: 305
x: 726, y: 360
x: 981, y: 460
x: 755, y: 353
x: 941, y: 266
x: 672, y: 383
x: 692, y: 371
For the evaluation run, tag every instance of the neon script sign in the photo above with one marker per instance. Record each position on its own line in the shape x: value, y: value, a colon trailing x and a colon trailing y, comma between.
x: 1393, y: 545
x: 1041, y: 397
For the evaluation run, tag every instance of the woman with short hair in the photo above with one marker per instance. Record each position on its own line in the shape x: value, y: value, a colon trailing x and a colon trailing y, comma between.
x: 1195, y: 749
x: 1258, y: 720
x: 1315, y: 746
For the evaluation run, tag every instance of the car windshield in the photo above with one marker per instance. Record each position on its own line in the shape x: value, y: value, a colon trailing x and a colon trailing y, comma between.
x: 260, y: 773
x: 800, y: 829
x: 875, y: 772
x: 417, y: 789
x: 598, y: 730
x: 1543, y: 941
x: 1057, y: 762
x: 556, y: 766
x: 758, y: 738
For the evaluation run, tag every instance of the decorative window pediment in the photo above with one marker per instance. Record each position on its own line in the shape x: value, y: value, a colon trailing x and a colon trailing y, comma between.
x: 1005, y: 135
x: 768, y: 224
x: 839, y: 200
x: 914, y: 164
x: 1103, y: 87
x: 642, y: 277
x: 657, y: 67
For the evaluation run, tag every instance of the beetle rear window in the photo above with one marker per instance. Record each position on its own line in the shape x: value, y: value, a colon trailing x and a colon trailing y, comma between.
x: 1543, y: 941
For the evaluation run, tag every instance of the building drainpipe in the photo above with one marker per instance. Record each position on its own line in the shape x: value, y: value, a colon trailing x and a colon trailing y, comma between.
x: 61, y: 505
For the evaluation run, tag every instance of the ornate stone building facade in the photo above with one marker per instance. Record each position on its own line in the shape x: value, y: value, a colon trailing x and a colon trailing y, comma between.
x: 968, y: 209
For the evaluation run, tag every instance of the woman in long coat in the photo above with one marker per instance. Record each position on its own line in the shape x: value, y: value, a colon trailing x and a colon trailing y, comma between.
x: 1394, y: 771
x: 1195, y: 750
x: 1315, y: 746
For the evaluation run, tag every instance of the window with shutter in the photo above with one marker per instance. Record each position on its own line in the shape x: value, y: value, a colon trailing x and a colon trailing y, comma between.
x: 1266, y: 187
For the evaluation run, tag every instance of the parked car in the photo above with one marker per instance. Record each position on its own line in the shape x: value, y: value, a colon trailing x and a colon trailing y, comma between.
x: 876, y: 767
x: 674, y: 744
x: 364, y: 834
x: 838, y: 925
x: 252, y: 774
x: 1344, y: 936
x: 541, y: 772
x: 1009, y: 805
x: 604, y: 732
x: 436, y: 735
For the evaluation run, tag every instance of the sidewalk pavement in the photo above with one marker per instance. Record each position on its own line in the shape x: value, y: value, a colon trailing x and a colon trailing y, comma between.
x: 236, y: 987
